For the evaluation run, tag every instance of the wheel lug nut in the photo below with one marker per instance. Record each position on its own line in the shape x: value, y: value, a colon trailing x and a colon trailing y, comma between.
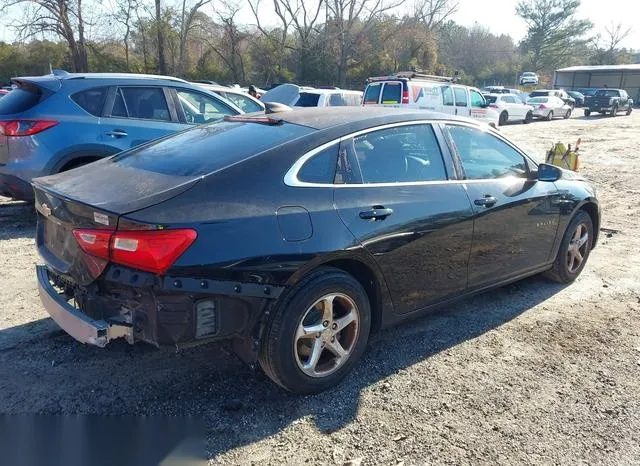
x: 325, y: 323
x: 318, y: 335
x: 334, y: 326
x: 333, y: 339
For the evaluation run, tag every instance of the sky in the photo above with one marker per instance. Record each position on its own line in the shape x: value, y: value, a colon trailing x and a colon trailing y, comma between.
x: 497, y: 15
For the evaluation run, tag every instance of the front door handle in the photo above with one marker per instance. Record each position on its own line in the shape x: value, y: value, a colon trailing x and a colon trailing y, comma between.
x: 376, y: 213
x: 116, y: 133
x: 487, y: 201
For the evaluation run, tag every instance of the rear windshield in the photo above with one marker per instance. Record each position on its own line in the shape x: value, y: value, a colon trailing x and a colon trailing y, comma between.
x: 207, y: 148
x: 539, y: 100
x: 372, y: 93
x: 392, y: 93
x: 19, y: 100
x: 490, y: 98
x: 607, y: 93
x: 539, y: 93
x: 307, y: 99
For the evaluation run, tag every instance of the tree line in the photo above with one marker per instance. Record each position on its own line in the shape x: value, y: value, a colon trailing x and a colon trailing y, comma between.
x: 313, y: 42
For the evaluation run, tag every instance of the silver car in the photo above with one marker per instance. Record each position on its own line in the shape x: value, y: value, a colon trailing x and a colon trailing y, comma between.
x: 549, y: 107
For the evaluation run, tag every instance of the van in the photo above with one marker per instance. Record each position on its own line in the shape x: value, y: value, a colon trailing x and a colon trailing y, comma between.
x: 427, y: 92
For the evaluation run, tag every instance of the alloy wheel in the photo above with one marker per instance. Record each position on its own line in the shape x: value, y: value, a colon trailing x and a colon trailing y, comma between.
x: 577, y: 249
x: 326, y: 335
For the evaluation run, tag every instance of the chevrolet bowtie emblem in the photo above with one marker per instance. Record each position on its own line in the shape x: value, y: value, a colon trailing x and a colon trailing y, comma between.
x: 46, y: 211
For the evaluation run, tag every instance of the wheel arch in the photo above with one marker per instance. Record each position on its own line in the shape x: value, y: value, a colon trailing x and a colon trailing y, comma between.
x: 367, y: 274
x: 591, y: 208
x: 73, y: 156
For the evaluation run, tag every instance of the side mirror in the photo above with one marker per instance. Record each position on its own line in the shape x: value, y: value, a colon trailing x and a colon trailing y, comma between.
x: 548, y: 172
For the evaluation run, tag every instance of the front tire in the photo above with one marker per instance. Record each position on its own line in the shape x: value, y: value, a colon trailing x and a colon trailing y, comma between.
x: 528, y: 118
x: 587, y: 112
x: 574, y: 249
x: 614, y: 111
x: 567, y: 115
x: 317, y: 333
x: 550, y: 115
x: 629, y: 110
x: 502, y: 120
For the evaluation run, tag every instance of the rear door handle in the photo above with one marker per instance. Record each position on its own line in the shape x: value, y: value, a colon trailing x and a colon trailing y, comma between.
x: 376, y: 213
x: 117, y: 133
x: 487, y: 201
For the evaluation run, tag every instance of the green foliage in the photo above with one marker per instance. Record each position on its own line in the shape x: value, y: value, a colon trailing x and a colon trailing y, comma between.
x: 554, y: 33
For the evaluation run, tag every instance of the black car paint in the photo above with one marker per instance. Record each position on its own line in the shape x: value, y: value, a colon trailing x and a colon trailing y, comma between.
x: 244, y: 253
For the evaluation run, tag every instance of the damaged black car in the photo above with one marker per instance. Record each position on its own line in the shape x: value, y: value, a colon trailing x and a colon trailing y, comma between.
x: 295, y: 234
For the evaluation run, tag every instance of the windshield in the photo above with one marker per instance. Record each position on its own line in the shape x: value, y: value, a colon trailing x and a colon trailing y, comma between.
x: 207, y: 148
x: 308, y: 99
x: 528, y: 74
x: 607, y: 93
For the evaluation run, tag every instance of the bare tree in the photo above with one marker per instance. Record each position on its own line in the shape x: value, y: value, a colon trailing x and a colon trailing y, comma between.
x: 615, y: 35
x: 433, y: 13
x: 187, y: 18
x: 228, y: 46
x: 351, y: 20
x: 60, y: 17
x: 124, y: 12
x: 162, y: 64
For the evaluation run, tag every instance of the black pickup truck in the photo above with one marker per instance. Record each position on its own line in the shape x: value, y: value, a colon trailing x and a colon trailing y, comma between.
x: 609, y: 101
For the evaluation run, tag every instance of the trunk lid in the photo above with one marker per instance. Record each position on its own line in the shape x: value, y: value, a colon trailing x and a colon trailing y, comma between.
x: 93, y: 197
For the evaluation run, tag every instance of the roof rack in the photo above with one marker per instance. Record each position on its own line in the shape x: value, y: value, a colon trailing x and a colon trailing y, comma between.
x: 417, y: 75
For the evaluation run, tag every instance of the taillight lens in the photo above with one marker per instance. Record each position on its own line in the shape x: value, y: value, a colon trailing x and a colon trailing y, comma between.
x: 149, y: 250
x: 542, y: 106
x: 405, y: 97
x: 18, y: 128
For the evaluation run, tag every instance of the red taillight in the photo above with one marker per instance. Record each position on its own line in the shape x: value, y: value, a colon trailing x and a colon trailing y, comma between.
x: 405, y: 96
x: 542, y: 106
x: 25, y: 127
x: 149, y: 250
x: 493, y: 106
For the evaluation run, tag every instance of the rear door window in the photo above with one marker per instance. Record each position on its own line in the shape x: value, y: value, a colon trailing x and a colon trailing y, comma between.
x: 307, y: 99
x: 244, y: 103
x: 91, y: 100
x: 321, y: 168
x: 19, y: 100
x: 145, y: 103
x: 372, y: 93
x: 461, y: 96
x: 447, y: 96
x: 392, y: 93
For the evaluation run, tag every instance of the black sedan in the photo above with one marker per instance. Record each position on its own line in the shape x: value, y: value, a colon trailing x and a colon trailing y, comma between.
x: 294, y: 235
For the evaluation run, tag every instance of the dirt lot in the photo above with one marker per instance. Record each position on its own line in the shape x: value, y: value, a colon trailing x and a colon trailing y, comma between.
x: 531, y: 373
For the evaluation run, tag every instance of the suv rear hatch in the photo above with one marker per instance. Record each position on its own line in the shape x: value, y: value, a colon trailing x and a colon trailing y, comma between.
x: 26, y: 95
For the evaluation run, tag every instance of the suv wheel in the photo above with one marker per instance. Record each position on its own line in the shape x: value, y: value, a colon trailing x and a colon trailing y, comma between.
x: 567, y: 114
x: 317, y: 333
x: 528, y: 118
x: 574, y: 249
x: 502, y: 120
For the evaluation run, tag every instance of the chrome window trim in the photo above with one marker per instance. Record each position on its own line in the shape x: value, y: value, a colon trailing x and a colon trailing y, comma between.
x: 291, y: 177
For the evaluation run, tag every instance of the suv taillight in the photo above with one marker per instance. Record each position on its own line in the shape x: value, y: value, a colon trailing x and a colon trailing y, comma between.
x: 18, y: 128
x: 149, y: 250
x: 405, y: 96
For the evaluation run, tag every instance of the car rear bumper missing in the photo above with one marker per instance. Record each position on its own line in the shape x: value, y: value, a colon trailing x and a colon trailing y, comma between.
x: 72, y: 320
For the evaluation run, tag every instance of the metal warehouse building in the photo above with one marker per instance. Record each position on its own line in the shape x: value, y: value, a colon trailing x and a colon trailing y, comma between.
x: 625, y: 77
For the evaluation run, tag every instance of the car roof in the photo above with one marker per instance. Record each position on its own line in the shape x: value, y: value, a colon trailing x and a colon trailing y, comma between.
x: 53, y: 81
x: 329, y: 91
x: 329, y: 117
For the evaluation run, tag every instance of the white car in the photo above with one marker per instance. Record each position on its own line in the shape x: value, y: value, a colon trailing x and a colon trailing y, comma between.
x: 549, y: 107
x: 528, y: 78
x: 425, y: 92
x: 236, y: 96
x: 510, y: 108
x: 328, y: 98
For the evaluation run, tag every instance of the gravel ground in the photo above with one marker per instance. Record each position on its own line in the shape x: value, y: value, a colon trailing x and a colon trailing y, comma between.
x: 530, y: 373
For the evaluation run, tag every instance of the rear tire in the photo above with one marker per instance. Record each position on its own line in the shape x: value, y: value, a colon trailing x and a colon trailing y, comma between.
x: 504, y: 117
x: 576, y: 244
x: 528, y: 118
x: 587, y: 112
x: 300, y: 345
x: 550, y: 115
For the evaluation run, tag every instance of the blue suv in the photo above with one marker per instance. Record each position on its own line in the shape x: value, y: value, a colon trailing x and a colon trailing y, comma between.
x: 57, y: 122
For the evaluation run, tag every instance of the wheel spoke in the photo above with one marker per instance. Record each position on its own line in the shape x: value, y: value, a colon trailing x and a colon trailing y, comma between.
x: 578, y: 233
x: 327, y: 308
x: 583, y: 239
x: 316, y: 351
x: 336, y: 348
x: 309, y: 331
x: 343, y: 322
x: 578, y: 257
